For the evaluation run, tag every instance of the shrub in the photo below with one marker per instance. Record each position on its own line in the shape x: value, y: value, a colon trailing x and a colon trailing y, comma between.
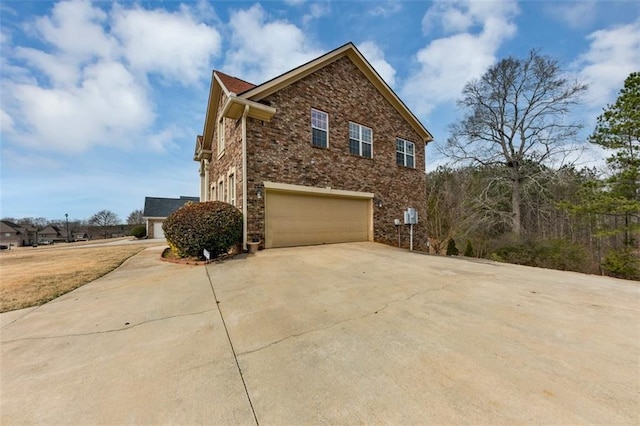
x: 622, y: 264
x: 468, y: 251
x: 553, y: 254
x: 212, y: 225
x: 452, y: 250
x: 139, y: 231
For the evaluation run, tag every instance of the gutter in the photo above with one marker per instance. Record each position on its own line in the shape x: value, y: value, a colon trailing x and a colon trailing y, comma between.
x: 244, y: 176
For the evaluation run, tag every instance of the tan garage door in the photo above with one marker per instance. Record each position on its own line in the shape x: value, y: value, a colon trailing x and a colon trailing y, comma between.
x: 297, y: 219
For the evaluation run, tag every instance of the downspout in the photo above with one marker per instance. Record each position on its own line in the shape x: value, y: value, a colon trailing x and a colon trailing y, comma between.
x: 244, y: 177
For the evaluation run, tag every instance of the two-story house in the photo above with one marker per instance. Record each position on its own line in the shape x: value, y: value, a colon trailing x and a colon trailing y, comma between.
x: 324, y: 153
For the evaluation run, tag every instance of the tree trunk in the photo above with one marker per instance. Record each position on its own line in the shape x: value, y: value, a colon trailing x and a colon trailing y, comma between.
x: 516, y: 215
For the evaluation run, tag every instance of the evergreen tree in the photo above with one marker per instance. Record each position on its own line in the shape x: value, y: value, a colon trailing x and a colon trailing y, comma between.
x: 618, y: 130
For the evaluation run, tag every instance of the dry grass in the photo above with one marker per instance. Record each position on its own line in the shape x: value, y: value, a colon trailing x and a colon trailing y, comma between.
x: 33, y: 277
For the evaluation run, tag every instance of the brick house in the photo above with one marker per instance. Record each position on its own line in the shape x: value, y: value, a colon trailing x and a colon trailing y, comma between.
x: 17, y: 235
x: 324, y: 153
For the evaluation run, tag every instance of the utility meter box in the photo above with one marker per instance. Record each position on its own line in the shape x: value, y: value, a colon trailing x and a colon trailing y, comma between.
x: 410, y: 216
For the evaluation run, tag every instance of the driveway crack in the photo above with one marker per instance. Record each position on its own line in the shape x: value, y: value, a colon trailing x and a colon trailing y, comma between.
x: 113, y: 330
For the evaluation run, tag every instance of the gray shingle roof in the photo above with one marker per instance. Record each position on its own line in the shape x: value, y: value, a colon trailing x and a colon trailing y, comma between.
x: 163, y: 207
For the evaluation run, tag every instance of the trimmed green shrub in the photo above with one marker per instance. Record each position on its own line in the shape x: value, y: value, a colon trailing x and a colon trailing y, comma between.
x: 622, y: 263
x: 452, y: 250
x: 139, y: 231
x: 211, y: 225
x: 468, y: 251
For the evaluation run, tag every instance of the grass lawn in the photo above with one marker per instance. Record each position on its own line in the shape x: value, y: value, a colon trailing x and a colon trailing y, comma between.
x: 31, y: 277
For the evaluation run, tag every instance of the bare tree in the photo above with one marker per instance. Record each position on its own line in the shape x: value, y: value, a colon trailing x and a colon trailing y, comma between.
x: 135, y: 218
x: 105, y: 219
x: 516, y: 114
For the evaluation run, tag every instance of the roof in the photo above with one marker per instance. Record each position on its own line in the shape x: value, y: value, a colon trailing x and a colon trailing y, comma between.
x: 244, y: 98
x: 234, y: 84
x: 163, y: 207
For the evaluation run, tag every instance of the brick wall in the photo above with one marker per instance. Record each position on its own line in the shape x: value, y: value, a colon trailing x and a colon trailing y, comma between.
x: 281, y: 150
x: 221, y: 165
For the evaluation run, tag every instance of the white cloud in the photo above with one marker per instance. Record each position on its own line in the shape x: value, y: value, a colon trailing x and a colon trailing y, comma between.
x: 173, y: 45
x: 613, y: 54
x: 262, y: 49
x: 386, y: 9
x: 76, y: 28
x: 88, y: 85
x: 316, y: 10
x: 577, y: 14
x: 375, y: 56
x: 446, y: 64
x: 107, y: 108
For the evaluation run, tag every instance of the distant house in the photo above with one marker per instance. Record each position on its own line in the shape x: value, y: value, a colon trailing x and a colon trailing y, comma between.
x: 53, y: 233
x: 156, y: 210
x: 17, y: 235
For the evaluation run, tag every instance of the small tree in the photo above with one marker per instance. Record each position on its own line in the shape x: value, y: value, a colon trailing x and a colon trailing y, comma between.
x: 135, y: 218
x: 104, y: 219
x: 214, y: 226
x: 468, y: 251
x: 452, y: 250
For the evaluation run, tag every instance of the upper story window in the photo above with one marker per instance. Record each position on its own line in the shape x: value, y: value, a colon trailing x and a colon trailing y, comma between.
x: 221, y: 136
x: 405, y: 153
x: 360, y: 140
x: 319, y: 128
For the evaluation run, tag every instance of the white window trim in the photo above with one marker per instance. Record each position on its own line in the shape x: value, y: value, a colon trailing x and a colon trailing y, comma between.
x: 360, y: 139
x: 319, y: 128
x: 231, y: 187
x: 221, y: 137
x: 221, y: 189
x: 404, y: 153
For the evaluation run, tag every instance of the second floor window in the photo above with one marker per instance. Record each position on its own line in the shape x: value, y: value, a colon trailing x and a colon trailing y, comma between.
x: 360, y: 140
x: 319, y: 128
x: 221, y: 136
x: 405, y: 153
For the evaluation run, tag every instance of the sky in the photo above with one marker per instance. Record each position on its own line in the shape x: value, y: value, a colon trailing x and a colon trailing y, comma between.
x: 101, y: 102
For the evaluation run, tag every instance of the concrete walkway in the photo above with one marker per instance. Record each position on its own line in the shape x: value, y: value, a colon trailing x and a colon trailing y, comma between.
x: 338, y: 334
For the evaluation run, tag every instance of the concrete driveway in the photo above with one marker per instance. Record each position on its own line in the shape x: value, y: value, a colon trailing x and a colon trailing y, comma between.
x: 347, y: 333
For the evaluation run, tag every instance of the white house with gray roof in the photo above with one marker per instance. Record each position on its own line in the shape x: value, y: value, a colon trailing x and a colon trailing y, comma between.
x: 156, y: 210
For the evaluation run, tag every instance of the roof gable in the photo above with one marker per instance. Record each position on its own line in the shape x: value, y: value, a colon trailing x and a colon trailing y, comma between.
x: 234, y: 84
x: 349, y: 50
x: 163, y: 207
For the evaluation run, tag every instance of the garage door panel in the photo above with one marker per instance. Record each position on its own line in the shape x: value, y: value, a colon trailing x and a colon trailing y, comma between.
x: 157, y: 230
x: 303, y: 219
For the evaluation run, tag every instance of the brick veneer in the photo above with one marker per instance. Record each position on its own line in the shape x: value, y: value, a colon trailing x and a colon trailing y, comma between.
x: 281, y: 150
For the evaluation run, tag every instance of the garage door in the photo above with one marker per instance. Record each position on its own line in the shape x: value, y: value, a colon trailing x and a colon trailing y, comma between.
x: 157, y: 230
x: 297, y: 219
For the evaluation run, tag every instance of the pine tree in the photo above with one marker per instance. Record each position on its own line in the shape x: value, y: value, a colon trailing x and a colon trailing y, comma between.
x: 618, y: 130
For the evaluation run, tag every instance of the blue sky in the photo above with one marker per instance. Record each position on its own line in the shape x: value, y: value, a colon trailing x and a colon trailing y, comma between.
x: 100, y: 103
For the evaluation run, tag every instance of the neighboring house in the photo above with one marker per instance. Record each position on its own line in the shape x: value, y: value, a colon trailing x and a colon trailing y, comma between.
x: 17, y: 235
x: 324, y: 153
x: 53, y: 233
x: 156, y: 210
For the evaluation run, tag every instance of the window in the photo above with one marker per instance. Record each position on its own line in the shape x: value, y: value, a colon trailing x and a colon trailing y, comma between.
x: 231, y: 192
x: 405, y: 153
x: 319, y: 128
x: 360, y: 140
x: 221, y: 190
x: 221, y: 136
x: 212, y: 192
